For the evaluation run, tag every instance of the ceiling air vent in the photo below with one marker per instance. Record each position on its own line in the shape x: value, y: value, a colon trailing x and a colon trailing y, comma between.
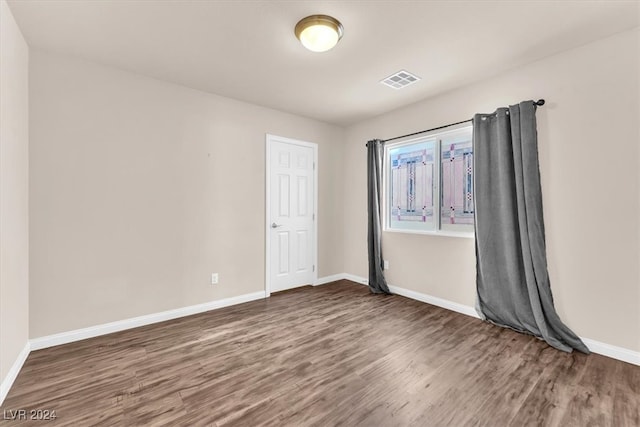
x: 400, y: 79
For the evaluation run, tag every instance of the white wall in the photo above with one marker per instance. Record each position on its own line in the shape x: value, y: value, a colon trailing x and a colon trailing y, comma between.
x: 589, y: 152
x: 14, y: 191
x: 140, y: 189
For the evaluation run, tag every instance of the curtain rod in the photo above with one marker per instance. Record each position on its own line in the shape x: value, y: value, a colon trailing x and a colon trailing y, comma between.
x: 539, y: 102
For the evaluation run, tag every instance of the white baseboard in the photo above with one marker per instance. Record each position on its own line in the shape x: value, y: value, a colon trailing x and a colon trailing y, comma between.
x: 11, y: 376
x: 594, y: 346
x: 613, y: 351
x: 328, y: 279
x: 357, y: 279
x: 121, y: 325
x: 440, y: 302
x: 418, y: 296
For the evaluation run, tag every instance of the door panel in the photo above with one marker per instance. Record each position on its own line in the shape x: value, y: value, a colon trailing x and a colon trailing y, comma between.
x: 292, y: 234
x: 303, y: 256
x: 283, y: 195
x: 283, y: 253
x: 302, y: 196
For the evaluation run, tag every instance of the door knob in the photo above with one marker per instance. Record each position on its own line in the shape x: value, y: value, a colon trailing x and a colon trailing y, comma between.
x: 274, y: 225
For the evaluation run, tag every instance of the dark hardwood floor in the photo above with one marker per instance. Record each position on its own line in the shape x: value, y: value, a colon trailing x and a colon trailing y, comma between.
x: 324, y: 356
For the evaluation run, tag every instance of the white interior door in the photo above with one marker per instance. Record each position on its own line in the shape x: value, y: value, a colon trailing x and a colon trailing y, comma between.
x: 291, y: 248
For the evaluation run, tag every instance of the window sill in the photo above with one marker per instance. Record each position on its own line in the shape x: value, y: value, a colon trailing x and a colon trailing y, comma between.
x: 441, y: 233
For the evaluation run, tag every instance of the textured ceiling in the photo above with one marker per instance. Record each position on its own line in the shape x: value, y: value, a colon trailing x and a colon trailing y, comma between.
x: 247, y: 50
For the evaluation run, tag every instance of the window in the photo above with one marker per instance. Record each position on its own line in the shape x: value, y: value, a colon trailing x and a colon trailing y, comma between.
x: 429, y: 184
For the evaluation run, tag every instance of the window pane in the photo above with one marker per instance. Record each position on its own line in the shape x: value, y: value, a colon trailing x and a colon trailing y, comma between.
x: 411, y: 186
x: 456, y: 208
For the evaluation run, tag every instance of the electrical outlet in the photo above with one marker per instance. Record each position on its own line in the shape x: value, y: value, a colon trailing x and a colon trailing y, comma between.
x: 386, y: 264
x: 214, y: 278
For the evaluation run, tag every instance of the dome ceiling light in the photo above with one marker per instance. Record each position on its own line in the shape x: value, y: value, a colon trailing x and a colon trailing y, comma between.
x: 319, y: 33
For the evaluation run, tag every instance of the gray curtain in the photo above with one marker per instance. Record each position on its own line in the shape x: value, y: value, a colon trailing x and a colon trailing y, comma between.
x: 512, y: 278
x: 377, y: 282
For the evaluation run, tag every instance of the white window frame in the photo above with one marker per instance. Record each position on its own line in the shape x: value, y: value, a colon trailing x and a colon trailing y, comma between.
x: 427, y: 137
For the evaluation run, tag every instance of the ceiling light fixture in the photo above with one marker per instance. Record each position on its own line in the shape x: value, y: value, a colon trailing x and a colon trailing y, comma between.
x: 319, y: 33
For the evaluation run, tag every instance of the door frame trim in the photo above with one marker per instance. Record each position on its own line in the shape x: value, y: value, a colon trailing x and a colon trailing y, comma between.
x: 269, y: 138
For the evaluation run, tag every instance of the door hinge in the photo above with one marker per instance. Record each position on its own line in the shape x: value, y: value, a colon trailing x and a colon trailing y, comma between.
x: 313, y: 217
x: 314, y: 165
x: 313, y: 268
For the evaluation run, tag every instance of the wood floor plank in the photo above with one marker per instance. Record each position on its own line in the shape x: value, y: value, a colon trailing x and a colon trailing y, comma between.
x: 333, y: 355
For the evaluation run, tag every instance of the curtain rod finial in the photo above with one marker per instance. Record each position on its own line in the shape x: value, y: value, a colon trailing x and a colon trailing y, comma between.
x: 540, y: 102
